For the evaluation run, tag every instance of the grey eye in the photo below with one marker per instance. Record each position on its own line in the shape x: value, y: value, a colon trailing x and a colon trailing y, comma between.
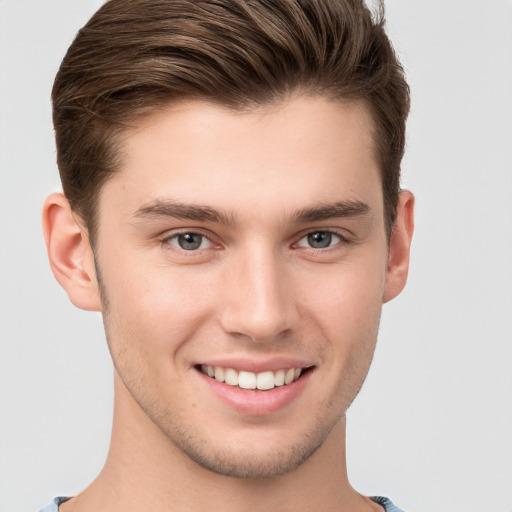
x: 189, y: 241
x: 319, y: 240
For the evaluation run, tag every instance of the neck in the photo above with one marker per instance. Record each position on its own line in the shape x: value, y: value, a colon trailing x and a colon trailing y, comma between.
x: 145, y: 470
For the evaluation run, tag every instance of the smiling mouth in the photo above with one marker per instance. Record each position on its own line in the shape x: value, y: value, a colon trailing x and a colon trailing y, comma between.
x: 262, y: 381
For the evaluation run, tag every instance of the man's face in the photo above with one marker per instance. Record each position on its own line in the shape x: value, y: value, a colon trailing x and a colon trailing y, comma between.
x: 244, y: 242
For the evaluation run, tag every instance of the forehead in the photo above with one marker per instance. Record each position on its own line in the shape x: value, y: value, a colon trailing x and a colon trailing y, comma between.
x: 284, y: 155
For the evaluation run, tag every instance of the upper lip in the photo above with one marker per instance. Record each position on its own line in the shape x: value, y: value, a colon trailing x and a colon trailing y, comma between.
x: 258, y: 366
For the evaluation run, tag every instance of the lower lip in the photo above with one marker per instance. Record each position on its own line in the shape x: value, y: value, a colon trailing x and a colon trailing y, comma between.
x: 256, y: 402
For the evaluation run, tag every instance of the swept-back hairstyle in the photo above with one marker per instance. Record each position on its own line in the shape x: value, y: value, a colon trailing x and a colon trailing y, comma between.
x: 134, y: 56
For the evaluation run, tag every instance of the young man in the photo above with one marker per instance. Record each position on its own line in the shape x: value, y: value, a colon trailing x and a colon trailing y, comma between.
x: 232, y: 207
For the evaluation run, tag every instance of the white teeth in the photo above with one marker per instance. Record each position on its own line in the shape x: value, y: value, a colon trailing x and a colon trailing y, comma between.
x: 219, y: 374
x: 279, y: 378
x: 231, y: 377
x: 250, y: 380
x: 247, y: 380
x: 290, y: 375
x: 265, y: 380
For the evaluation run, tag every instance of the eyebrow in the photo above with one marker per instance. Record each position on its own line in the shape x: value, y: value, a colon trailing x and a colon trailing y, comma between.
x: 168, y: 208
x: 337, y: 210
x: 201, y: 213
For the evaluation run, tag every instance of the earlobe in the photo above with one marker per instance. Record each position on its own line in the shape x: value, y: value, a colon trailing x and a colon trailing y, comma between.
x: 70, y: 254
x: 400, y: 246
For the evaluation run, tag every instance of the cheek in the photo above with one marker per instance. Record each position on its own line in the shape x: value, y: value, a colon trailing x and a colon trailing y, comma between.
x: 346, y: 298
x: 155, y: 311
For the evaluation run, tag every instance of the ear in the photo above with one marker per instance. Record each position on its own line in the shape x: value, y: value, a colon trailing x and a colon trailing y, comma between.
x: 400, y: 246
x: 70, y: 254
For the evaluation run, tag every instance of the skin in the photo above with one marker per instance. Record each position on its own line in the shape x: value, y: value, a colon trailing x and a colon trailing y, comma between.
x: 255, y: 291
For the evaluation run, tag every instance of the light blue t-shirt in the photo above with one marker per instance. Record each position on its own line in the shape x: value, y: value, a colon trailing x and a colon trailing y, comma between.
x: 385, y: 502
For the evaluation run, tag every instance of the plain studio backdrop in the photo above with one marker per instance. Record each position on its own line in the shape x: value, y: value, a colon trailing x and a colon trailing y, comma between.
x: 432, y: 427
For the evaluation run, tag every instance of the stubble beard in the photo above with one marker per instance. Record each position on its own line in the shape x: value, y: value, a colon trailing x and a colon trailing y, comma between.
x: 225, y: 458
x: 228, y: 459
x: 242, y: 461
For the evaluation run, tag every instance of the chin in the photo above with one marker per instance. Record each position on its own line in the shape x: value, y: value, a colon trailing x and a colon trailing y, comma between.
x: 257, y: 452
x: 249, y: 463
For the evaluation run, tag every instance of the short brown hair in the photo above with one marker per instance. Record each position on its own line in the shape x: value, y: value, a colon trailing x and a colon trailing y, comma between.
x: 134, y: 56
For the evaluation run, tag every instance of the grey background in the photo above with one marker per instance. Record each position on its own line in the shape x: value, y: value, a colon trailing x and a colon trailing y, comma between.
x: 432, y: 427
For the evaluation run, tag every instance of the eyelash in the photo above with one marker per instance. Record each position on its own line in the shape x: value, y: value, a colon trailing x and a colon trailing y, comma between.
x: 167, y: 241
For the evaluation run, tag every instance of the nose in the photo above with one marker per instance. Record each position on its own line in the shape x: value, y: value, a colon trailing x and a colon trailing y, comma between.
x: 258, y: 297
